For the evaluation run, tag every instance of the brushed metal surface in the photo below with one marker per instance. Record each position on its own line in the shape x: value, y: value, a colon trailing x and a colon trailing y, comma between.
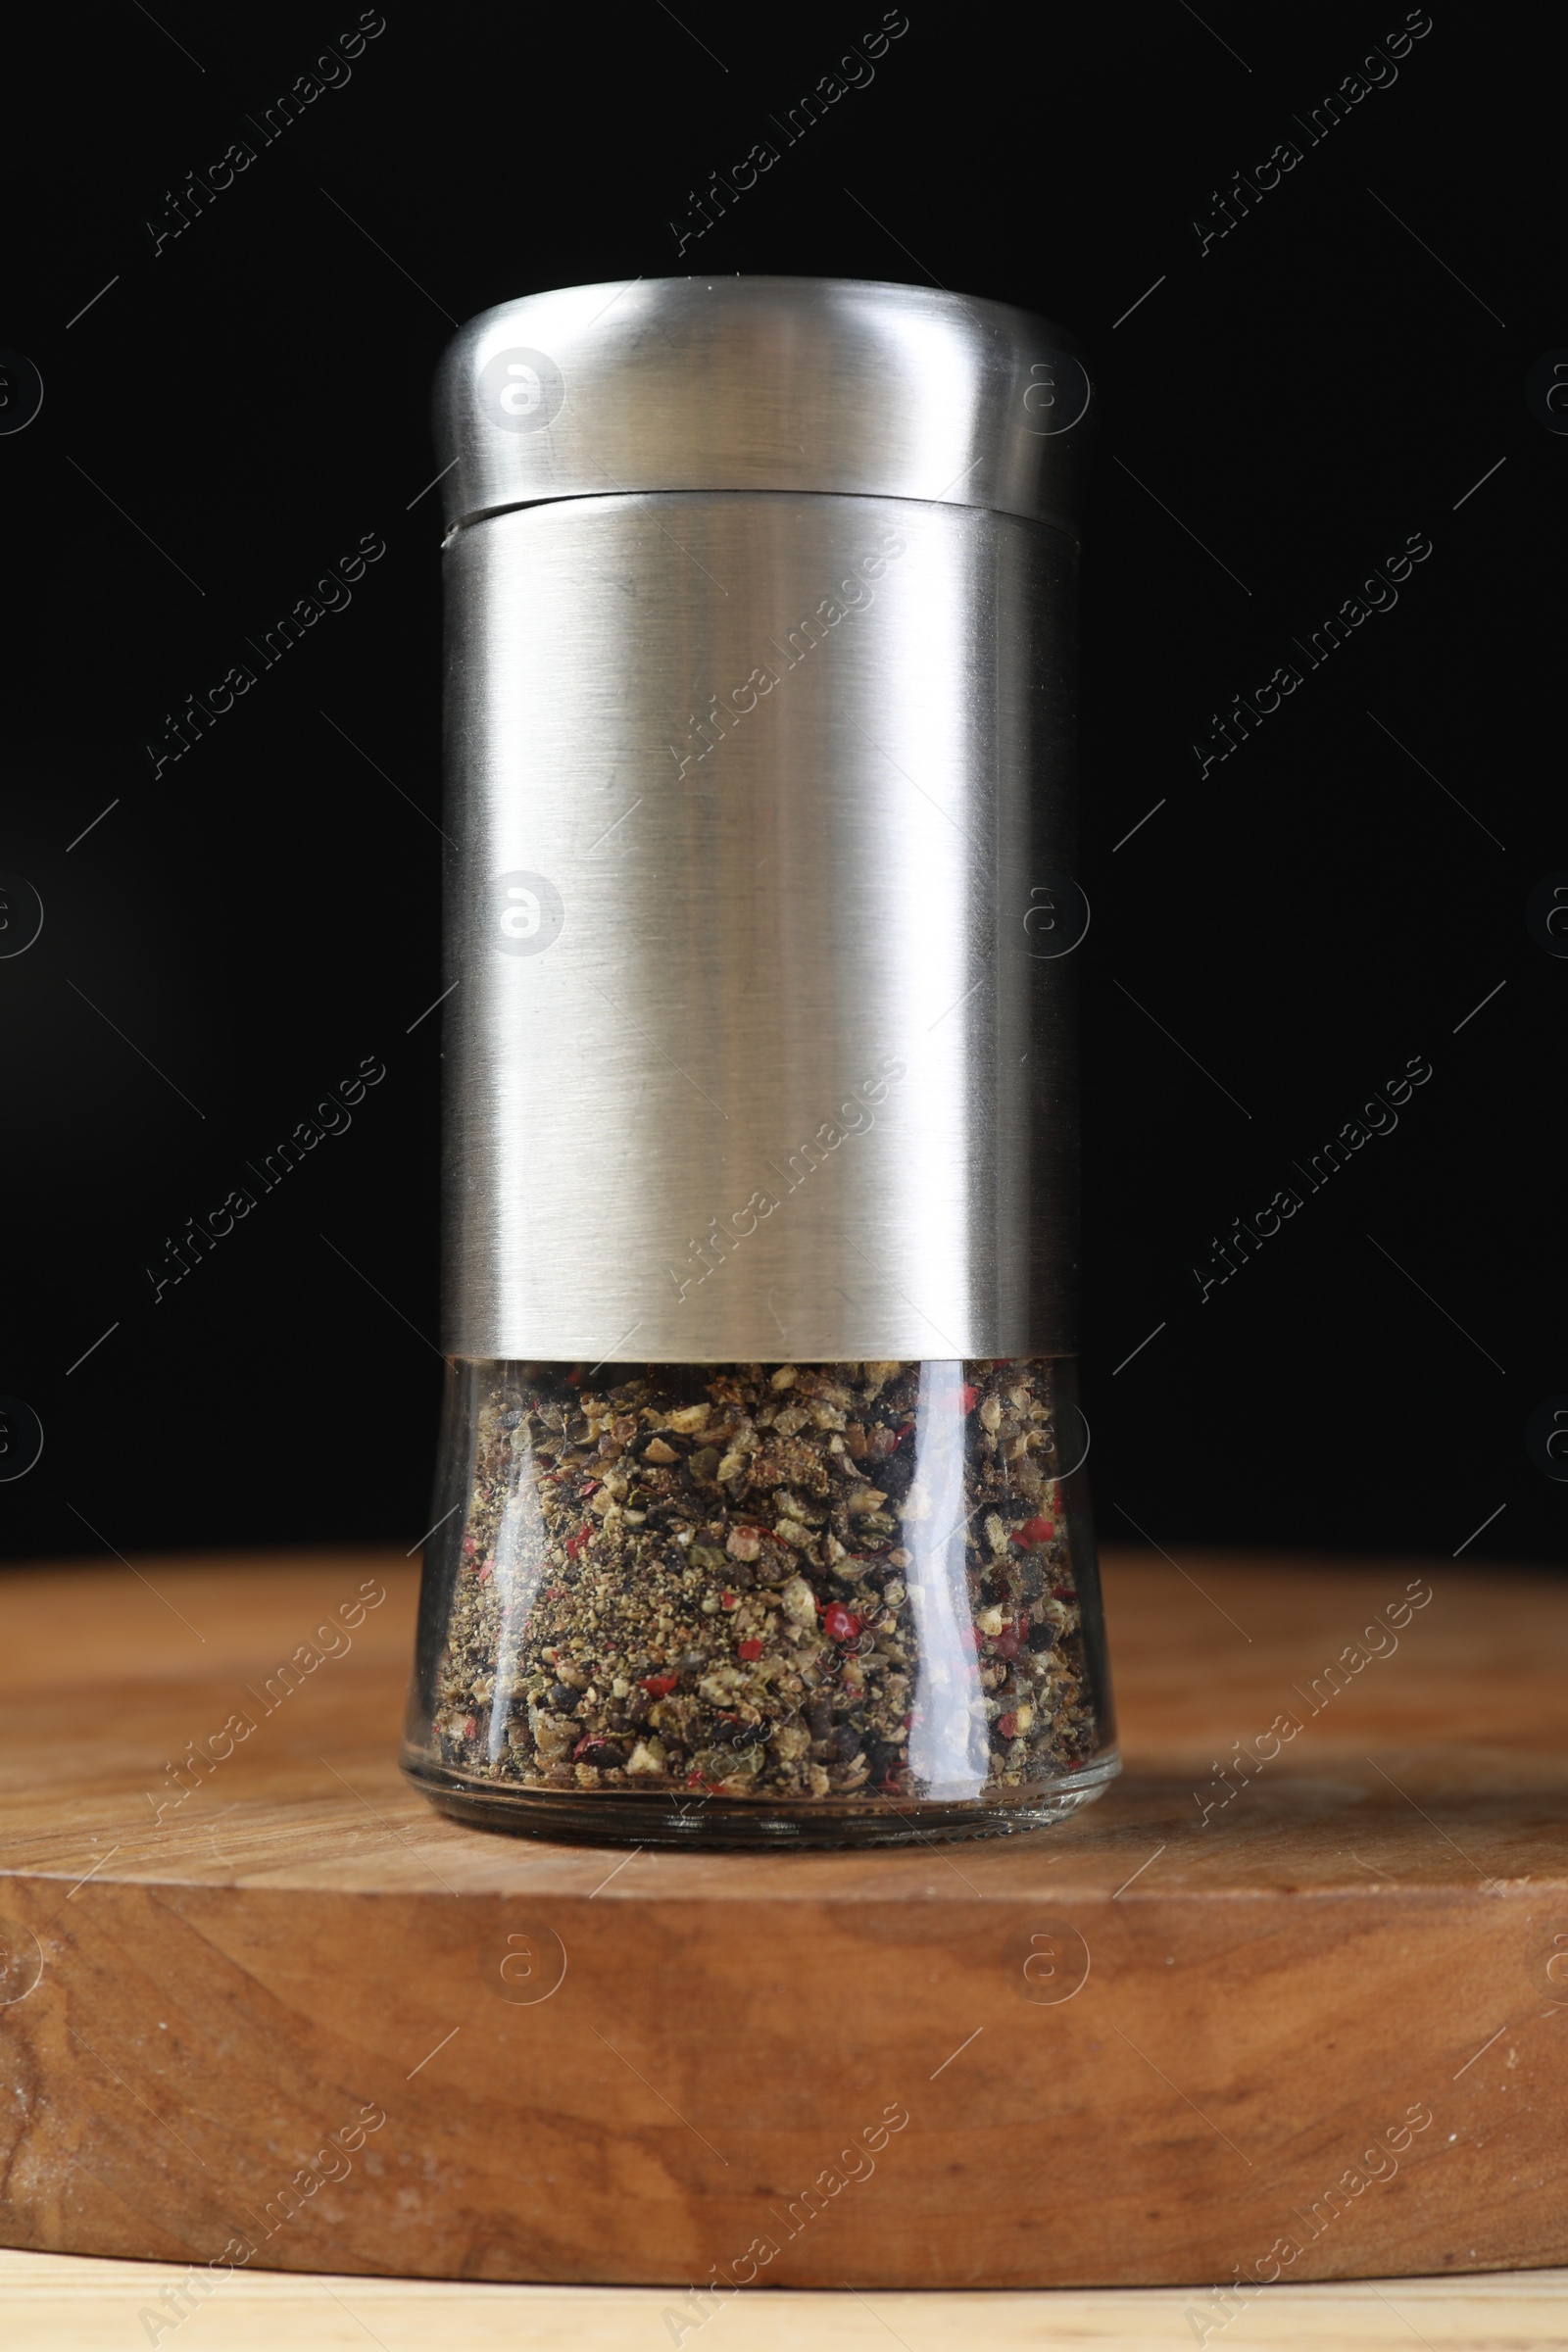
x: 776, y: 956
x: 763, y: 384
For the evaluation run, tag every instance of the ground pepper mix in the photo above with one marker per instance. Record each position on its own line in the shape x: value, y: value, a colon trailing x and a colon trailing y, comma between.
x: 840, y: 1586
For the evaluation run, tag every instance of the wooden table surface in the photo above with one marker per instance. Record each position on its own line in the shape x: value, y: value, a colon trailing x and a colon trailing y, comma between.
x: 1315, y: 2030
x: 70, y: 2303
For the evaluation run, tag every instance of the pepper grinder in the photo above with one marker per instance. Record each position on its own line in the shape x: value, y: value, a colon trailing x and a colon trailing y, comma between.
x: 763, y: 1515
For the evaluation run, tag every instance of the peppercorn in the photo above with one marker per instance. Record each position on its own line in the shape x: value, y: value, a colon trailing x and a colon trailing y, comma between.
x: 615, y: 1662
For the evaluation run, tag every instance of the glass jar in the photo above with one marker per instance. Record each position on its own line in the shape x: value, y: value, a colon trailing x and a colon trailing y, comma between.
x: 802, y: 1603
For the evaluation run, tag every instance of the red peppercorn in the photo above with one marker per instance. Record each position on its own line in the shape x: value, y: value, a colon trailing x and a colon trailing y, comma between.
x: 659, y: 1686
x: 839, y: 1623
x: 1008, y: 1724
x: 1008, y: 1641
x: 470, y: 1729
x: 729, y: 1601
x: 748, y: 1649
x: 970, y: 1398
x: 1033, y: 1531
x: 469, y: 1546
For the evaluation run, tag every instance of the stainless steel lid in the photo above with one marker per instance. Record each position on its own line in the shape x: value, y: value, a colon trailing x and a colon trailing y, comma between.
x: 761, y: 918
x: 763, y: 384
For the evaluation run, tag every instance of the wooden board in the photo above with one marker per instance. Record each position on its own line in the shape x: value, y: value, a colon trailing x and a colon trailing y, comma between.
x: 1372, y: 1930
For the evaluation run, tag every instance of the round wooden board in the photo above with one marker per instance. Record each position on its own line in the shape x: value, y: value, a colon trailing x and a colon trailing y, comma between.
x: 1318, y: 2032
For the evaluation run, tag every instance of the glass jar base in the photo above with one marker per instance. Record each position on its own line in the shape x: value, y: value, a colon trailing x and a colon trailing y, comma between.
x: 698, y: 1819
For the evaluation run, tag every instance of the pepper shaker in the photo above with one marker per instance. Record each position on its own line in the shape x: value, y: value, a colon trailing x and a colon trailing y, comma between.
x: 762, y: 1510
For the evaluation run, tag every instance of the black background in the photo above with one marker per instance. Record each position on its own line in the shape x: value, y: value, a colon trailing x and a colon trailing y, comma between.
x: 234, y: 411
